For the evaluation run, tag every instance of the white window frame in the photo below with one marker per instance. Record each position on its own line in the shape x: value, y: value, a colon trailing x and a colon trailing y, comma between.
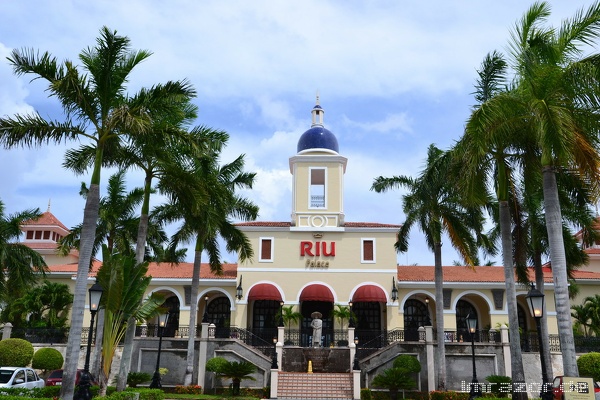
x: 260, y: 244
x: 362, y: 251
x: 310, y: 169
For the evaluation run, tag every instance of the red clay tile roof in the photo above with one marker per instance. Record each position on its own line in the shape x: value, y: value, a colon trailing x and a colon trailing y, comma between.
x: 270, y: 224
x: 417, y: 273
x: 370, y: 225
x: 162, y: 270
x: 40, y: 245
x: 47, y: 218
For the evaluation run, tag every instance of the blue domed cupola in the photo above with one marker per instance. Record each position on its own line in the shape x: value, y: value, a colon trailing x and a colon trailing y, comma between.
x: 317, y: 137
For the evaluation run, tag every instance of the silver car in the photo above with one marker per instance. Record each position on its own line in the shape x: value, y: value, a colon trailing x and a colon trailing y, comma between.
x: 18, y: 377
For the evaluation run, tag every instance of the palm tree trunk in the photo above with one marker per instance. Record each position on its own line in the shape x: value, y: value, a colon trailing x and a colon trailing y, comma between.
x: 88, y: 234
x: 539, y: 283
x: 125, y: 365
x: 193, y: 313
x: 559, y: 271
x: 516, y: 359
x: 439, y: 318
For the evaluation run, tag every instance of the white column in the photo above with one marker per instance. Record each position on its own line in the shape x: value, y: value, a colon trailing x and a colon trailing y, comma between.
x: 430, y: 358
x: 202, y: 356
x: 505, y: 350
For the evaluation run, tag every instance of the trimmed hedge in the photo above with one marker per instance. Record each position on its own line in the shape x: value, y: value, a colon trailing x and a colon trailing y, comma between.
x: 15, y: 352
x: 47, y: 359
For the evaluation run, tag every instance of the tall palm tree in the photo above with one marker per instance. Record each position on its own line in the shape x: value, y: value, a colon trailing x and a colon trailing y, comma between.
x: 484, y: 155
x: 205, y: 199
x: 151, y: 151
x: 92, y: 97
x: 434, y: 204
x: 561, y: 110
x: 553, y: 101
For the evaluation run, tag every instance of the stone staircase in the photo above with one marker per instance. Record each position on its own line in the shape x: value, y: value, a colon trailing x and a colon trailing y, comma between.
x: 314, y: 386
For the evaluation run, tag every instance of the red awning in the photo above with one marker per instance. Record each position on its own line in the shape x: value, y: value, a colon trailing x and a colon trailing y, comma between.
x: 264, y: 291
x: 369, y: 293
x: 316, y: 293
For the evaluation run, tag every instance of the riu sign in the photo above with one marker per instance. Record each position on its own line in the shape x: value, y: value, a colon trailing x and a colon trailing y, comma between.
x: 317, y: 249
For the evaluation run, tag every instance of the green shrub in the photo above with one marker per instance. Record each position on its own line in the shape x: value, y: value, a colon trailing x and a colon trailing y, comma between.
x: 215, y: 364
x: 365, y: 394
x: 49, y: 392
x: 136, y: 378
x: 438, y: 395
x: 145, y: 394
x: 15, y: 352
x: 47, y: 359
x: 500, y: 386
x: 589, y: 365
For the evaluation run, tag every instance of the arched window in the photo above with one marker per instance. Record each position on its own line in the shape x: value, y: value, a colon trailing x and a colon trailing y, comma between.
x: 219, y: 313
x: 172, y: 304
x: 464, y: 308
x: 416, y: 314
x: 264, y: 324
x: 368, y: 320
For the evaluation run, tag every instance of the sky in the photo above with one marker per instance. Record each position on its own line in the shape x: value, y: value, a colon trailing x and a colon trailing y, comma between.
x: 393, y: 77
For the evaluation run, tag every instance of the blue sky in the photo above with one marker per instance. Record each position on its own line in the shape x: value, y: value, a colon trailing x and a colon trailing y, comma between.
x: 393, y: 77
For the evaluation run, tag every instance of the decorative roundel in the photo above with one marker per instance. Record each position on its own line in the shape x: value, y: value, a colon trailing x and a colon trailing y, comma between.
x: 318, y: 137
x: 318, y: 221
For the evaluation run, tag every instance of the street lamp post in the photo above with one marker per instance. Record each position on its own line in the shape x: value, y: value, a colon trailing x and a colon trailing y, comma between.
x: 475, y: 387
x: 83, y: 392
x: 355, y: 365
x: 239, y: 291
x: 535, y: 301
x: 205, y: 315
x: 274, y: 364
x: 351, y: 322
x: 162, y: 322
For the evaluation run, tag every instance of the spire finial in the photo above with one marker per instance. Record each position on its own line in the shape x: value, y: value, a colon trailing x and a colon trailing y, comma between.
x: 48, y: 210
x: 317, y: 113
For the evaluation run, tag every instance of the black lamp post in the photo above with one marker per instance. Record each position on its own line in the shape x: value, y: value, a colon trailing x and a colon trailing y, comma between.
x: 205, y: 316
x: 83, y: 392
x: 394, y: 290
x: 535, y: 301
x: 280, y: 323
x: 355, y: 366
x: 428, y: 321
x: 475, y: 387
x: 239, y: 292
x: 274, y: 361
x: 351, y: 322
x: 162, y: 322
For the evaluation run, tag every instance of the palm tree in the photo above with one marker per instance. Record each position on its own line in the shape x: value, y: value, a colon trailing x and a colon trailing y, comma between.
x: 400, y: 377
x: 91, y: 97
x: 16, y: 259
x: 237, y: 372
x: 484, y: 155
x: 152, y: 151
x: 204, y: 198
x: 553, y: 102
x: 342, y: 313
x: 581, y: 315
x: 434, y: 204
x: 124, y: 285
x: 289, y: 316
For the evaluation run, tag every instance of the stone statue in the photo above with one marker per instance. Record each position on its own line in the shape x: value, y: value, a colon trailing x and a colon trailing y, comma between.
x: 317, y: 325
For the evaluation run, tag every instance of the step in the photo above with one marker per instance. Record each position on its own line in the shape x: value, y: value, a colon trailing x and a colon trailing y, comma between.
x: 314, y: 386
